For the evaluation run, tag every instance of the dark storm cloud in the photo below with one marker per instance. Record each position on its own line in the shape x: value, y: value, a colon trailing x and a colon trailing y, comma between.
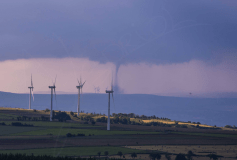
x: 118, y: 31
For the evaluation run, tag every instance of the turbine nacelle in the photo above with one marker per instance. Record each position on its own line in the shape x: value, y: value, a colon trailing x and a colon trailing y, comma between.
x: 79, y: 86
x: 52, y: 87
x: 106, y: 91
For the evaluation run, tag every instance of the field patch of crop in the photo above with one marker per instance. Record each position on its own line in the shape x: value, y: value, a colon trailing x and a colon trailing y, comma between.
x: 4, y: 116
x: 199, y: 150
x: 176, y: 122
x: 54, y: 124
x: 64, y: 131
x: 74, y: 151
x: 8, y: 130
x: 208, y: 134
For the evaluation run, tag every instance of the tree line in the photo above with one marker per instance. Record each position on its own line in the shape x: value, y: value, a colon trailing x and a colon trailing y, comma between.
x: 42, y: 157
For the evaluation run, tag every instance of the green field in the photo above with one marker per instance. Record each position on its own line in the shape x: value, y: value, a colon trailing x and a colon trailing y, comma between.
x: 8, y: 130
x: 208, y: 134
x: 74, y: 151
x: 64, y: 131
x: 7, y: 116
x: 49, y: 138
x: 52, y: 124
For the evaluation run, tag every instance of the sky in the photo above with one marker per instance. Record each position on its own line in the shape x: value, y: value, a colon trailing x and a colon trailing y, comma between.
x: 161, y: 47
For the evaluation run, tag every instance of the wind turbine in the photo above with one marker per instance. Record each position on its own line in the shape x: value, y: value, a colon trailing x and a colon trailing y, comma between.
x: 79, y: 87
x: 31, y: 88
x: 109, y: 91
x: 98, y: 89
x: 52, y: 89
x: 95, y: 89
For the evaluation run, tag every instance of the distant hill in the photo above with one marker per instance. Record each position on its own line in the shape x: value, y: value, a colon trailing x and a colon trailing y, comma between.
x: 211, y: 111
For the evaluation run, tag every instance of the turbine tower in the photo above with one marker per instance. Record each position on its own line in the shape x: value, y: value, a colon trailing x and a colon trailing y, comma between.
x: 52, y: 90
x: 109, y: 91
x: 31, y: 88
x: 79, y: 87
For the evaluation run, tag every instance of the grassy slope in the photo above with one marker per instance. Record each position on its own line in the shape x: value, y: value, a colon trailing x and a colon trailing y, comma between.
x: 41, y: 112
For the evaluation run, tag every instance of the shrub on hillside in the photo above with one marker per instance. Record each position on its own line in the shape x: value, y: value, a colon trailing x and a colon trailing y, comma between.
x: 69, y: 135
x: 180, y: 157
x: 133, y: 155
x: 47, y: 110
x: 102, y: 119
x: 93, y: 123
x: 20, y: 124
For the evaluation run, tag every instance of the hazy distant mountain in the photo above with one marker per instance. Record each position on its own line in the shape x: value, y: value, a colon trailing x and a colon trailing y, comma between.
x: 213, y: 111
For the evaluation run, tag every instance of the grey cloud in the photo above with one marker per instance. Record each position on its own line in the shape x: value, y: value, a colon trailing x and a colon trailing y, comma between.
x: 117, y: 31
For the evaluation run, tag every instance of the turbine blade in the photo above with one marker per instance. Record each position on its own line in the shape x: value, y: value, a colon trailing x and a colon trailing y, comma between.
x: 31, y: 81
x: 32, y: 94
x: 55, y: 93
x: 113, y: 97
x: 78, y: 81
x: 112, y: 84
x: 55, y: 79
x: 83, y: 83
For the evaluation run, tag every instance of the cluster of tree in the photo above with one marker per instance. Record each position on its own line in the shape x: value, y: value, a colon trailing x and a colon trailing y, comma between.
x: 189, y: 155
x: 2, y: 124
x: 21, y: 124
x: 106, y: 153
x: 195, y: 122
x: 43, y: 118
x: 17, y: 124
x: 115, y: 120
x: 154, y: 156
x: 47, y: 110
x: 121, y: 120
x: 25, y: 118
x: 229, y: 126
x: 73, y: 114
x: 73, y: 135
x: 157, y: 124
x: 43, y: 157
x: 87, y: 118
x: 132, y: 115
x: 213, y: 156
x: 61, y: 116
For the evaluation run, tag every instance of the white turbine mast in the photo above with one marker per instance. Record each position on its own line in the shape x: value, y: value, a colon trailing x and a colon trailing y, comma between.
x: 31, y: 88
x: 52, y: 90
x: 79, y: 87
x: 109, y: 91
